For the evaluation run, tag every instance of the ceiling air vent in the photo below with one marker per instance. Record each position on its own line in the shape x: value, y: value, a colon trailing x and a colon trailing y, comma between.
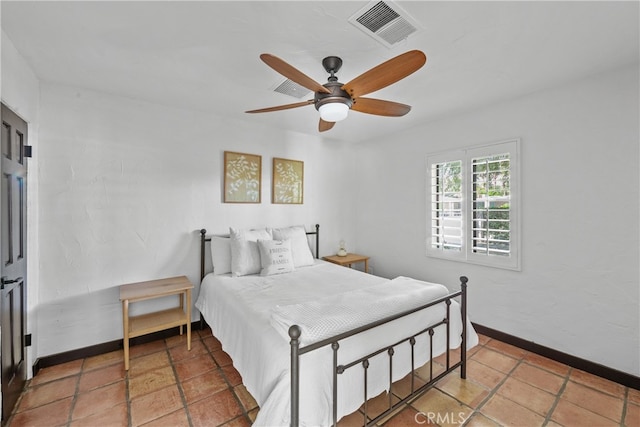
x: 291, y: 88
x: 385, y: 21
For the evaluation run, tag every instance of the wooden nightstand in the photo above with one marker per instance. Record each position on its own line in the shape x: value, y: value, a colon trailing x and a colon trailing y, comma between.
x: 136, y: 326
x: 348, y: 260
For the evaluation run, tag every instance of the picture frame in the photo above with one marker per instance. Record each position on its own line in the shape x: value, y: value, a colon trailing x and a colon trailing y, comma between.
x: 287, y: 184
x: 242, y: 177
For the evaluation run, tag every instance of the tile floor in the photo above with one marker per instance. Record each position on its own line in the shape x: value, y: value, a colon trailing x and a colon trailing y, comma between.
x: 168, y: 386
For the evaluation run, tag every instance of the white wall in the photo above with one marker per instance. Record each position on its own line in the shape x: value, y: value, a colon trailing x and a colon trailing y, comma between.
x: 126, y: 185
x: 578, y: 291
x: 20, y: 91
x: 118, y: 189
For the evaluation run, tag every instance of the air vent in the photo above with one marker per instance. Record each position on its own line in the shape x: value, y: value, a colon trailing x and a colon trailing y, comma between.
x: 291, y: 88
x: 385, y: 21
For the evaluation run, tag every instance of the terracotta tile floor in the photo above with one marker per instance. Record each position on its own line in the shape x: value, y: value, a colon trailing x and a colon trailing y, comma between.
x: 169, y: 386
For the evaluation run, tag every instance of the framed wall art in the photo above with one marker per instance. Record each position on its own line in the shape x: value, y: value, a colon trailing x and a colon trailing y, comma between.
x: 287, y: 182
x: 242, y: 177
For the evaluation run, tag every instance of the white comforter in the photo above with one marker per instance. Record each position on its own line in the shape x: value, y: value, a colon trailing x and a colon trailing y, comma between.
x: 250, y: 315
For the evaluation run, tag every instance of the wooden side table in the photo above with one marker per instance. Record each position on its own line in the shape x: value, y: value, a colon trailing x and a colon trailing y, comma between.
x: 135, y: 326
x: 348, y: 260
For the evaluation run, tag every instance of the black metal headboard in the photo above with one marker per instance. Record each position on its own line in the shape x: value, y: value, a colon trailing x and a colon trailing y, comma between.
x: 204, y: 239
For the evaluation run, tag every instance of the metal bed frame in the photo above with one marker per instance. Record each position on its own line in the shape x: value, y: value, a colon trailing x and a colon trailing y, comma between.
x: 334, y: 342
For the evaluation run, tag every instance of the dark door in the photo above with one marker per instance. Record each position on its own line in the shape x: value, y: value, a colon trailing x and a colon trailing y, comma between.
x: 13, y: 262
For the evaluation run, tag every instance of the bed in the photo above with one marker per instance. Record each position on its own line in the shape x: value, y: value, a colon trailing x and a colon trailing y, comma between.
x: 314, y: 341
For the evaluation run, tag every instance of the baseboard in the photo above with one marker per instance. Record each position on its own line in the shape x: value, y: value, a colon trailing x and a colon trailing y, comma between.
x: 107, y: 347
x: 573, y: 361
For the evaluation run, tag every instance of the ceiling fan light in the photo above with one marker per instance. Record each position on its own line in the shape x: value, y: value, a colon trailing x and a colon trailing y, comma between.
x: 333, y: 111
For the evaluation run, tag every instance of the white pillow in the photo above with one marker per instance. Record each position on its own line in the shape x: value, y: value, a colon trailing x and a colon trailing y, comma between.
x: 245, y: 255
x: 299, y: 244
x: 221, y: 254
x: 275, y: 257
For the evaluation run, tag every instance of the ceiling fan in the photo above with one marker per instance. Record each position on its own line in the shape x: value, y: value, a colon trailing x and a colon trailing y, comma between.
x: 334, y: 99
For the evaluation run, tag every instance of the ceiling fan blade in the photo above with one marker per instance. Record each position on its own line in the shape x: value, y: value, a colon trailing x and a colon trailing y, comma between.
x: 282, y: 107
x: 386, y: 73
x: 380, y: 107
x: 324, y: 126
x: 292, y: 73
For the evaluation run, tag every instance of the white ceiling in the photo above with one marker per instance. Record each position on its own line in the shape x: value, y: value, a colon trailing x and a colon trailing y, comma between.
x: 205, y: 55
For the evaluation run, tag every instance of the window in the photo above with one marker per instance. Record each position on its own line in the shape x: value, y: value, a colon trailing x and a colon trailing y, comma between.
x: 473, y: 205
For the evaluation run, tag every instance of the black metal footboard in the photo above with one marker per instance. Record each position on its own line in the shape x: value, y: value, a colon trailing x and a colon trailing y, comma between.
x: 334, y: 342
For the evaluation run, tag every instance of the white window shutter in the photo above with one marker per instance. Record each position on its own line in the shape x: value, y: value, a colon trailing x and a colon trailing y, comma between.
x: 473, y: 205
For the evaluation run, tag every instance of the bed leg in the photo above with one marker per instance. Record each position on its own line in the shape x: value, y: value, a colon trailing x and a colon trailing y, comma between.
x: 463, y: 347
x: 294, y: 333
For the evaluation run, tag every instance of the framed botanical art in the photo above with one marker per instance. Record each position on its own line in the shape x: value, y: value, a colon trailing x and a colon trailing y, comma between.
x: 242, y: 177
x: 287, y: 182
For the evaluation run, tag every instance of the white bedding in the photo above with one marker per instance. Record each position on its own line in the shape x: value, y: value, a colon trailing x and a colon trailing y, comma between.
x: 242, y: 312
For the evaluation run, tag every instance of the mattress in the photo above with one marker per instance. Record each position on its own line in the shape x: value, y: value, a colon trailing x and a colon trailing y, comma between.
x: 248, y: 315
